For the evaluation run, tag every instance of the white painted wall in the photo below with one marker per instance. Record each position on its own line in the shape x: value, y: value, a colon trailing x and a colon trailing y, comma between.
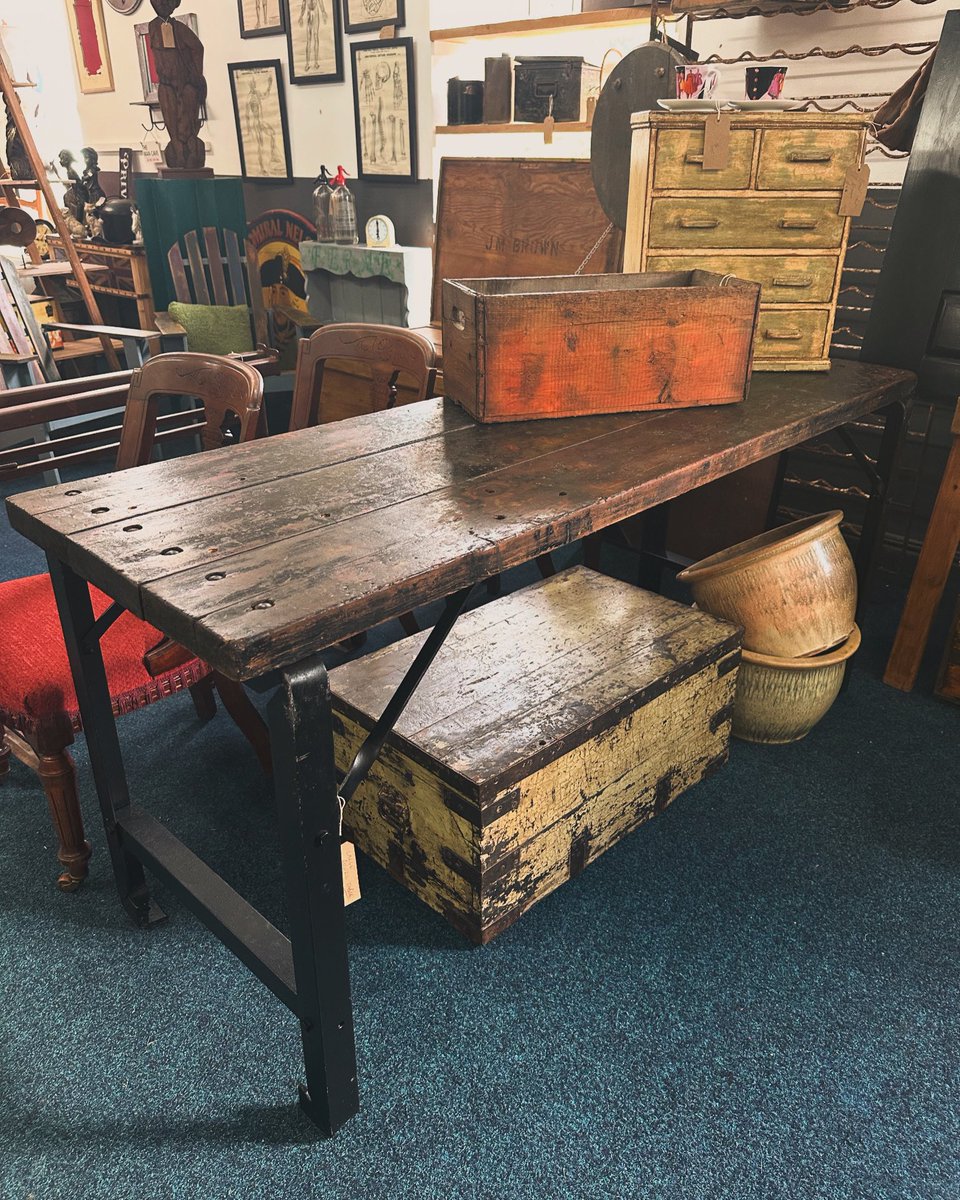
x: 320, y: 115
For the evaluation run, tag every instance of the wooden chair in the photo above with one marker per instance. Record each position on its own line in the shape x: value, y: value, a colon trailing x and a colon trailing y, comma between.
x: 26, y: 356
x: 396, y: 365
x: 39, y: 713
x: 204, y: 272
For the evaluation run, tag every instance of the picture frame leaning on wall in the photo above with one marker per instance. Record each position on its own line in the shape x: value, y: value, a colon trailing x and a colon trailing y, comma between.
x: 385, y: 111
x: 260, y: 112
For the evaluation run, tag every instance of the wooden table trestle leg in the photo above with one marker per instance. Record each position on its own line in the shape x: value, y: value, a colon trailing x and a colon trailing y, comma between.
x: 82, y: 633
x: 308, y: 810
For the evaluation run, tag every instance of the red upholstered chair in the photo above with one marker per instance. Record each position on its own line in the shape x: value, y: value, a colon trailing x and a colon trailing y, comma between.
x: 39, y: 715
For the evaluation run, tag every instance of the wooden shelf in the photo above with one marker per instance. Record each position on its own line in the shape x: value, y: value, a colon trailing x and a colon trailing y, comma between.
x: 517, y: 127
x: 47, y: 269
x: 611, y: 18
x: 27, y: 183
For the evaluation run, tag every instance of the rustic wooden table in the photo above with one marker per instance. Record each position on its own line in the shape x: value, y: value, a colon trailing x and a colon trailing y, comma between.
x: 258, y: 556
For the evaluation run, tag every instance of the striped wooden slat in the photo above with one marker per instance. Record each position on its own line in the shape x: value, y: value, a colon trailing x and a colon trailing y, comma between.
x: 235, y: 266
x: 179, y: 275
x: 22, y: 324
x: 215, y: 265
x: 256, y: 296
x: 201, y: 292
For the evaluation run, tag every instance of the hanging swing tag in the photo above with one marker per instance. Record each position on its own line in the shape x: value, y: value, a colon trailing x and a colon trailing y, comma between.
x: 855, y: 184
x: 548, y: 124
x: 348, y: 868
x: 716, y: 142
x: 388, y: 33
x: 167, y: 35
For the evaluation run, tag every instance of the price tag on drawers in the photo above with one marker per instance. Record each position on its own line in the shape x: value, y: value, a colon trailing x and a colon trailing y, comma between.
x: 716, y: 142
x: 855, y: 184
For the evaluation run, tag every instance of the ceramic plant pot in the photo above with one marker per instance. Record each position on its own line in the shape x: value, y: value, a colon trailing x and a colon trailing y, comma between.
x: 793, y: 589
x: 781, y: 699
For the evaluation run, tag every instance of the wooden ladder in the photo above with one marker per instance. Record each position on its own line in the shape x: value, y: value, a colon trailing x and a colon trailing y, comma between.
x: 9, y: 186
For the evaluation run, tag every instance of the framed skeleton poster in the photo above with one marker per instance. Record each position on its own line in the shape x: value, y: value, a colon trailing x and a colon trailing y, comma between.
x: 258, y: 18
x: 90, y: 50
x: 314, y: 40
x: 384, y: 109
x: 364, y: 16
x: 261, y: 115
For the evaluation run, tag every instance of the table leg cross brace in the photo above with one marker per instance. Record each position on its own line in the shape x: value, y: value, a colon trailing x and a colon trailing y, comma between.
x: 373, y: 744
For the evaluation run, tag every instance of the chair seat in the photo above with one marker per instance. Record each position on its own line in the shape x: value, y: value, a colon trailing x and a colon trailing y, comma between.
x: 35, y: 679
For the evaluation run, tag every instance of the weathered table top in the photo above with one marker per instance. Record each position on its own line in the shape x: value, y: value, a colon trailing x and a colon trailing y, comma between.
x: 258, y: 555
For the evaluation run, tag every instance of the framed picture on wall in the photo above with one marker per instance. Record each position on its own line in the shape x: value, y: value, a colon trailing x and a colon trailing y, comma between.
x: 363, y: 16
x: 384, y: 109
x: 259, y: 18
x: 148, y: 68
x: 90, y: 50
x: 314, y: 40
x: 260, y: 111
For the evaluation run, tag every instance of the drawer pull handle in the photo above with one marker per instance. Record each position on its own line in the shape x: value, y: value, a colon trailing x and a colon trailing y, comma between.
x: 786, y: 223
x: 794, y: 281
x: 808, y: 156
x: 699, y: 222
x: 693, y: 158
x: 783, y: 335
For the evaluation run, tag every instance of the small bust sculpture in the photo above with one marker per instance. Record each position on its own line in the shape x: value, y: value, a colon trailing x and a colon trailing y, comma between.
x: 91, y: 177
x: 74, y: 196
x: 181, y: 87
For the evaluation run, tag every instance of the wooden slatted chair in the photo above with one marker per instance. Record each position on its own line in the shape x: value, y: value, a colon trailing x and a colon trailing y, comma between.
x: 38, y: 707
x: 204, y: 272
x: 26, y: 356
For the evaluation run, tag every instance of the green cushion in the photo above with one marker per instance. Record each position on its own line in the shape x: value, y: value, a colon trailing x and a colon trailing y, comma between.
x: 214, y: 328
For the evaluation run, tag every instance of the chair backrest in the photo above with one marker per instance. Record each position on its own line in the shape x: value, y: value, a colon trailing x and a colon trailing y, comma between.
x: 229, y: 392
x: 204, y: 272
x: 387, y: 350
x: 24, y: 351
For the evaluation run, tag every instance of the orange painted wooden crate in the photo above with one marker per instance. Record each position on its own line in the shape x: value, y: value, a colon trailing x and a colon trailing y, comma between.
x: 569, y: 345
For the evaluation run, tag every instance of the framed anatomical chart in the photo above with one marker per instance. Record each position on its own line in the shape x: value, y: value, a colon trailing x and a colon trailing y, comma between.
x: 258, y: 18
x: 384, y: 109
x: 313, y: 40
x: 90, y: 50
x: 261, y: 115
x: 364, y: 16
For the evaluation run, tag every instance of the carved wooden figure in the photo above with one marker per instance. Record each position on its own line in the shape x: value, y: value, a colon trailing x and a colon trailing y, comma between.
x: 182, y: 89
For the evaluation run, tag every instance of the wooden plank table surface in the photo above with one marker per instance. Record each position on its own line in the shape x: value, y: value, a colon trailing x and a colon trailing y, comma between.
x: 257, y: 555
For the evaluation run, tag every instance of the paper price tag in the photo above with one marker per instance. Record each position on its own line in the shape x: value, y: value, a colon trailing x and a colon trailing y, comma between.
x: 716, y: 142
x: 348, y: 868
x: 855, y: 184
x: 167, y: 35
x: 388, y: 33
x: 548, y: 131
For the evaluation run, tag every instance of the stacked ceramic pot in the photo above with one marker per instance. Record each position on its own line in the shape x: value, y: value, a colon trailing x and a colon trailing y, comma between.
x: 794, y: 592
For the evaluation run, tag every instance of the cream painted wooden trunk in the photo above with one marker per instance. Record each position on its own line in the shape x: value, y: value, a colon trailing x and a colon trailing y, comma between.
x: 553, y: 722
x: 770, y: 216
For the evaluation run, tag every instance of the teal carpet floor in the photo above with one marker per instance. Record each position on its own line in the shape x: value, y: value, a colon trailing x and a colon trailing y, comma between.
x: 756, y: 996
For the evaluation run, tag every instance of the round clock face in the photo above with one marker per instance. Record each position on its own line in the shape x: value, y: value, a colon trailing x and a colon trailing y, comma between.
x: 380, y: 232
x: 124, y: 6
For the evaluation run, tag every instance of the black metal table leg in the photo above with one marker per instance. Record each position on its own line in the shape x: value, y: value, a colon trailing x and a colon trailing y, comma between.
x: 894, y: 416
x: 80, y: 633
x: 308, y: 810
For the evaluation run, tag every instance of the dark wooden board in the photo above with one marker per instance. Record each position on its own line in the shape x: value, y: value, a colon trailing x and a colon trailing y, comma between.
x: 498, y: 699
x: 319, y: 579
x: 517, y: 216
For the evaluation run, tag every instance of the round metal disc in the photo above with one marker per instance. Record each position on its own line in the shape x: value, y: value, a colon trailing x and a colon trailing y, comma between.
x: 636, y: 83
